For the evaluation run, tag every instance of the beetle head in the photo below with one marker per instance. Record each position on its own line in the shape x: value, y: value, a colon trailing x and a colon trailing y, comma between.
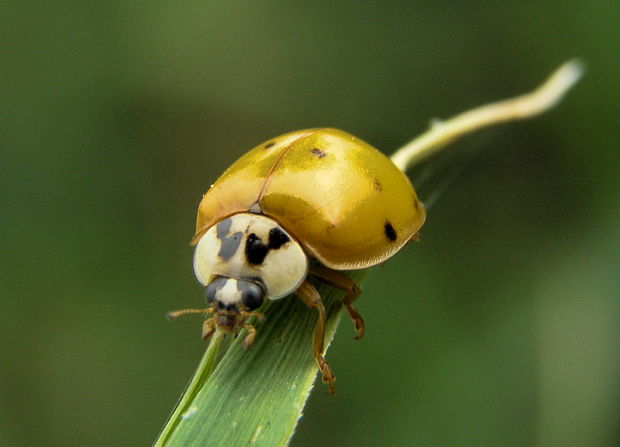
x: 244, y: 259
x: 232, y: 300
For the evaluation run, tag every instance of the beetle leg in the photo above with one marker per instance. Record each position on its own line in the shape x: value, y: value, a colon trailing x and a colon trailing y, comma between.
x: 249, y: 339
x: 259, y: 316
x: 311, y: 298
x: 341, y: 281
x: 208, y: 328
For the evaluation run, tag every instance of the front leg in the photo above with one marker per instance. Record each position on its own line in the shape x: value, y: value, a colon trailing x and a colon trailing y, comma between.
x: 311, y: 298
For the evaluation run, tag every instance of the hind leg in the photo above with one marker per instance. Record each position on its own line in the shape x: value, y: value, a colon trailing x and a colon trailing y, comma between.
x: 341, y: 281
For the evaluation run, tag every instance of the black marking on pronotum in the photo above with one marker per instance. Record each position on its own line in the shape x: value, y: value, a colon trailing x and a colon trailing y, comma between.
x: 251, y: 294
x: 318, y: 153
x: 268, y: 145
x: 214, y: 286
x: 229, y: 244
x: 223, y: 228
x: 277, y: 238
x: 390, y: 232
x: 256, y: 250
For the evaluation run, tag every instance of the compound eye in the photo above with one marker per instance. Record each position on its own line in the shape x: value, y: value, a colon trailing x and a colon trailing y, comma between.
x: 252, y: 295
x: 214, y: 286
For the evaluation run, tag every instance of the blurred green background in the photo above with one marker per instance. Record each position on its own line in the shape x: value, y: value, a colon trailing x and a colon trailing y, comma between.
x: 501, y: 327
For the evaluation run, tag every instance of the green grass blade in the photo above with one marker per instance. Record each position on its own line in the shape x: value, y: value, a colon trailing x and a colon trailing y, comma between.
x: 255, y: 397
x: 205, y: 368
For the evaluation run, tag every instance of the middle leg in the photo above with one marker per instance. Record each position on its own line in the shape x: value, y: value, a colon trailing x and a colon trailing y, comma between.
x: 311, y: 298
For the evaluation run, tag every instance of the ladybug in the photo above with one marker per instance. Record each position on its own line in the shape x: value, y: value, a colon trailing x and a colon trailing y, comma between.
x: 315, y: 194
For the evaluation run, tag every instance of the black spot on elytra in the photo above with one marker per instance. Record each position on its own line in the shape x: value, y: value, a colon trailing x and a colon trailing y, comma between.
x: 256, y: 250
x: 318, y: 153
x: 268, y: 145
x: 229, y: 244
x: 390, y: 232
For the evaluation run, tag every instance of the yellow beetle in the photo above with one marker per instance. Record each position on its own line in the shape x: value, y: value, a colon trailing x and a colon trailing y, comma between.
x: 314, y: 193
